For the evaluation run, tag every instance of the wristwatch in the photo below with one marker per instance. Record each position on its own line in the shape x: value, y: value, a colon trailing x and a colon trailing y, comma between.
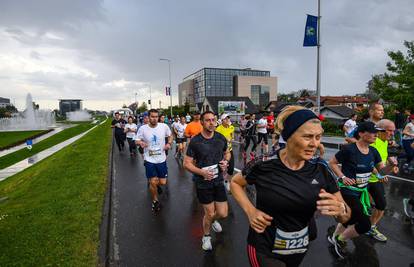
x: 341, y: 178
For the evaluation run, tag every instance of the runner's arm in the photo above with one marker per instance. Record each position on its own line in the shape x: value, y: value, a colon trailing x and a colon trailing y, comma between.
x: 258, y: 220
x: 189, y: 165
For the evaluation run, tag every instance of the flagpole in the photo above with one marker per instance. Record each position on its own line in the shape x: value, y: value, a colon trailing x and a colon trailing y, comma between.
x: 318, y: 73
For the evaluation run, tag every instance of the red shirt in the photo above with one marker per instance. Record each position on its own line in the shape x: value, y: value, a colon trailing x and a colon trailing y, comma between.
x: 270, y: 122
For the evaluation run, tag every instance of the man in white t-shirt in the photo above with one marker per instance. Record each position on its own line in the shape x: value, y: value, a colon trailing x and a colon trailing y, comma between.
x: 262, y: 134
x: 188, y: 118
x: 152, y: 138
x: 180, y: 139
x: 350, y: 125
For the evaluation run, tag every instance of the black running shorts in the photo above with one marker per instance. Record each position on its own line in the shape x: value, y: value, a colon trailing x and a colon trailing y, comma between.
x: 180, y: 140
x: 217, y: 193
x: 376, y: 190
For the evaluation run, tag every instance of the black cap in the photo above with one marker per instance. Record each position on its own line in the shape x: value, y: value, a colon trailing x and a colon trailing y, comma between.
x: 367, y: 126
x: 196, y: 113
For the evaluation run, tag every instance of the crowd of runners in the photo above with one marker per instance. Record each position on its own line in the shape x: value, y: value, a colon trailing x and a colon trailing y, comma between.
x: 290, y: 179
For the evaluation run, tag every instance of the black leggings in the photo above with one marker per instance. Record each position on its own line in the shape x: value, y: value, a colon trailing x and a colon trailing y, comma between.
x: 120, y: 139
x: 132, y: 145
x: 376, y: 190
x: 258, y: 259
x: 248, y: 139
x: 358, y: 218
x: 230, y: 169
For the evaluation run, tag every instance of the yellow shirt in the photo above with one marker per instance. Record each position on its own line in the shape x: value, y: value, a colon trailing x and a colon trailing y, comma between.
x: 228, y: 133
x: 382, y: 148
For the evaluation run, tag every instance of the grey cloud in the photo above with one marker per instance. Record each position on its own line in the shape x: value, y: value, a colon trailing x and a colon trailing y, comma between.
x: 124, y: 39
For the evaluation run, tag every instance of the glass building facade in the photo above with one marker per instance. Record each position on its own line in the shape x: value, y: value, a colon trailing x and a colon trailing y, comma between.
x: 220, y: 82
x: 260, y: 95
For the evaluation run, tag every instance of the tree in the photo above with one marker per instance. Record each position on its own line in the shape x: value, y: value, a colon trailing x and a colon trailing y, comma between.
x: 397, y: 85
x: 143, y: 107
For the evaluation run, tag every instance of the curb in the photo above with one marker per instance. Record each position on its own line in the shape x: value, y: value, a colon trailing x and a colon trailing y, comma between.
x: 105, y: 250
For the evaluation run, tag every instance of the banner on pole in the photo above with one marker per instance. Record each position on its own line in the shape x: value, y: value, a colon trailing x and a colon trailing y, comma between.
x: 167, y: 91
x: 311, y: 36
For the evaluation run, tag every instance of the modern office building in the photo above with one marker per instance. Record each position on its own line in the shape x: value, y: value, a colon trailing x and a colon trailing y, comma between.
x: 68, y: 105
x: 4, y: 102
x: 258, y: 85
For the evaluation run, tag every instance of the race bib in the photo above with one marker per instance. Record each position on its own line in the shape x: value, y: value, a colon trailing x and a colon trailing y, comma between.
x: 287, y: 243
x: 154, y: 151
x: 362, y: 179
x: 213, y: 168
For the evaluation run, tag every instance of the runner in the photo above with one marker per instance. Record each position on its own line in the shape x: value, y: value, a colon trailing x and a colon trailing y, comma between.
x: 408, y: 140
x: 250, y: 136
x: 152, y: 138
x: 118, y: 123
x: 187, y: 118
x: 179, y: 129
x: 350, y: 125
x: 375, y: 185
x: 376, y: 112
x: 145, y: 120
x: 262, y: 135
x: 358, y: 161
x: 271, y: 128
x: 227, y: 130
x: 207, y: 158
x: 130, y: 130
x: 289, y: 190
x: 194, y: 127
x: 242, y: 128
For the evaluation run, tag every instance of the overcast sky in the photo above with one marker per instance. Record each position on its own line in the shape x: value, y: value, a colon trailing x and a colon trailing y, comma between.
x: 106, y: 51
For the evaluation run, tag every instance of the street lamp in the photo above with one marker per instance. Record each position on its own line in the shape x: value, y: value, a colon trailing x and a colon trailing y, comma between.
x: 169, y: 75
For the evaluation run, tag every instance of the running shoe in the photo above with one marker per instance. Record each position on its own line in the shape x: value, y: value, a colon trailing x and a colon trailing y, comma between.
x: 374, y: 233
x: 206, y: 243
x: 159, y: 190
x: 340, y: 246
x: 216, y: 226
x: 156, y: 206
x: 227, y: 186
x: 252, y: 156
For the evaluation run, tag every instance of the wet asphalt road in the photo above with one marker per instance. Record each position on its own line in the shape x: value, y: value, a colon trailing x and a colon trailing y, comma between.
x: 173, y: 237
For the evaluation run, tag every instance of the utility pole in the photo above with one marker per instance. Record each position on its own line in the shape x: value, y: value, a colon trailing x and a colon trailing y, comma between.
x: 318, y: 71
x: 169, y: 75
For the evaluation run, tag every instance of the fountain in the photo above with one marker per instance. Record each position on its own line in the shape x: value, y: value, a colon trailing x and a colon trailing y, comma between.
x: 79, y: 115
x: 30, y: 119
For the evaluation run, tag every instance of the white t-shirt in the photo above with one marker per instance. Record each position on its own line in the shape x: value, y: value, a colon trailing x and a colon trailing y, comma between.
x: 155, y: 140
x: 350, y: 125
x: 180, y: 128
x: 133, y: 127
x: 262, y: 122
x: 410, y: 126
x: 188, y: 118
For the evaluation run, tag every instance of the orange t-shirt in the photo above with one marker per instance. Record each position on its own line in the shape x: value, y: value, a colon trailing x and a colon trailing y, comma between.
x: 193, y: 128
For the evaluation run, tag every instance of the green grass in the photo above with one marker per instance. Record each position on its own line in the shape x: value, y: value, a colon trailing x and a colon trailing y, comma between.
x: 21, y: 154
x: 54, y: 208
x: 8, y: 138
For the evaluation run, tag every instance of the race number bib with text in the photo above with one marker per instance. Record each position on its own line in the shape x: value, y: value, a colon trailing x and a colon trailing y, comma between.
x: 287, y: 243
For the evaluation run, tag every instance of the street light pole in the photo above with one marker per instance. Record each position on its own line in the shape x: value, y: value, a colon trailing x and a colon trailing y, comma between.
x: 169, y: 75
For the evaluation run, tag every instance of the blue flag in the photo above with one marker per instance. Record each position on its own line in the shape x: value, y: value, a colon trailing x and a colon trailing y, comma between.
x: 311, y: 37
